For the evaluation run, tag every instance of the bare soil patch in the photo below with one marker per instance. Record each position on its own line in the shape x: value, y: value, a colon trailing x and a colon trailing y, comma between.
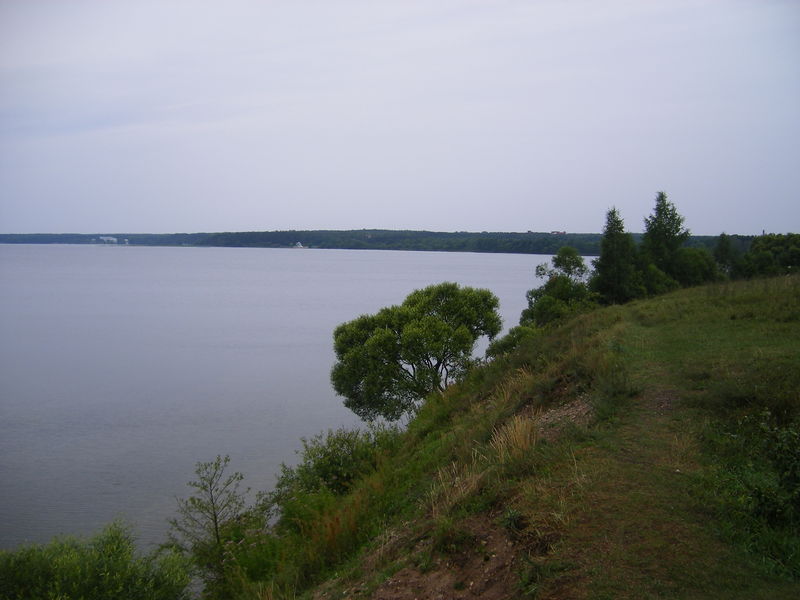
x: 486, y: 569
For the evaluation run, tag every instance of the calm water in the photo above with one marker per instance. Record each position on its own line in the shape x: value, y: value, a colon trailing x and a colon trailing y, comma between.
x: 120, y: 367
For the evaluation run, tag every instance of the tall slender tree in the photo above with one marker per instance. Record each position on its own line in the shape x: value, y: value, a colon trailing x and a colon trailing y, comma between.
x: 616, y: 278
x: 198, y: 529
x: 664, y: 234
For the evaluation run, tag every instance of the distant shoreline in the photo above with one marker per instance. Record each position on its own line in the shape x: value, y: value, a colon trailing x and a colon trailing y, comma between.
x: 355, y: 239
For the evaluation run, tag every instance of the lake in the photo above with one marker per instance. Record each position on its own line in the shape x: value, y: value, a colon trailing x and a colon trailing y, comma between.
x: 122, y: 366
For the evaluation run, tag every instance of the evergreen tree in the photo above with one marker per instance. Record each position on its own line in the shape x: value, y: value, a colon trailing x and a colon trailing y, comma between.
x: 664, y: 234
x: 616, y: 278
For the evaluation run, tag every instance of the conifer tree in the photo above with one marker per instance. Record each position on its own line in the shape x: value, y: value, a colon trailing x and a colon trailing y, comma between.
x: 616, y: 278
x: 664, y: 234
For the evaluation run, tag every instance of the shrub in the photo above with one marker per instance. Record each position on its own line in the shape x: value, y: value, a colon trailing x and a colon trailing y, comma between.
x: 512, y: 340
x: 105, y: 566
x: 332, y: 461
x: 695, y: 266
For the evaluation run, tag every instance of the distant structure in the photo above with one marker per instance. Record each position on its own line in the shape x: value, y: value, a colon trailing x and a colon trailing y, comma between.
x: 108, y: 239
x: 558, y: 233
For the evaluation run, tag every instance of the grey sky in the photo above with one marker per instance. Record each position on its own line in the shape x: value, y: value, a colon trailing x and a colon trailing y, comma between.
x: 165, y: 116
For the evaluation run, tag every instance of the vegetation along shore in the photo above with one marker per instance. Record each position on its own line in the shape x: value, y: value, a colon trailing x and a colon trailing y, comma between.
x: 636, y: 435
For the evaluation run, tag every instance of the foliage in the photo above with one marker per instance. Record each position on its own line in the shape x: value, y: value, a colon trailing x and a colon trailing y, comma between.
x: 694, y: 266
x: 333, y: 461
x: 728, y: 254
x: 105, y: 566
x: 567, y: 262
x: 664, y: 234
x: 772, y: 254
x: 565, y: 292
x: 654, y: 280
x: 510, y: 341
x: 387, y: 363
x: 758, y: 485
x: 199, y: 529
x: 616, y: 278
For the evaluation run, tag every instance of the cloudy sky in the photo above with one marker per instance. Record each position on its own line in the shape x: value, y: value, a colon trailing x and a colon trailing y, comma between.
x: 500, y: 115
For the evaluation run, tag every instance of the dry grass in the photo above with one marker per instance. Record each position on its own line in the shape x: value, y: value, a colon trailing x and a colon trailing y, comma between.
x: 453, y: 484
x: 515, y: 387
x: 515, y: 439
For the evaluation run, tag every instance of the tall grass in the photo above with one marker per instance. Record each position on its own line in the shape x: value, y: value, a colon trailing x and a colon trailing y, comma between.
x: 513, y: 441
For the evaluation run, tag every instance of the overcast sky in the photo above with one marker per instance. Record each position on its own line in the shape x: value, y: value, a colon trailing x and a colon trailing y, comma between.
x: 498, y: 115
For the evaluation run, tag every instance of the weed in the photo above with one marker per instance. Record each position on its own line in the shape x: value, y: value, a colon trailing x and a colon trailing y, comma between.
x: 512, y: 520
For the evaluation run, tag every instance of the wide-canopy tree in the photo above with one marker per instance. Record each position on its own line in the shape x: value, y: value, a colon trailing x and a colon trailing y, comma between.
x: 390, y: 361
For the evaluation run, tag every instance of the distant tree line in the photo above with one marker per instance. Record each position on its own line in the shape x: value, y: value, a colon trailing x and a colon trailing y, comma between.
x: 587, y: 244
x: 137, y: 239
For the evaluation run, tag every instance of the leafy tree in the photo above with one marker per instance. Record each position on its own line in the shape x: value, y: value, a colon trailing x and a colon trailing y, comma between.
x: 567, y: 262
x: 663, y: 235
x: 390, y: 361
x: 564, y: 293
x: 616, y: 278
x: 203, y: 517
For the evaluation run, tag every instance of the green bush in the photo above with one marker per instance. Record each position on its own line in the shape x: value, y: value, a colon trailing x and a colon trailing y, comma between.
x: 756, y: 486
x: 329, y: 464
x: 510, y: 341
x: 335, y: 459
x: 695, y: 266
x: 103, y: 567
x: 565, y: 293
x: 657, y: 282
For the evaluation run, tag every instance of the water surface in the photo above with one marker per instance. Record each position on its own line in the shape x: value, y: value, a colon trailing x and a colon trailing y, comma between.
x: 121, y: 367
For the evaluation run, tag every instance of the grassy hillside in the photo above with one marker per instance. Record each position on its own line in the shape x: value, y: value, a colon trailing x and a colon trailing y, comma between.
x: 650, y: 450
x: 642, y: 451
